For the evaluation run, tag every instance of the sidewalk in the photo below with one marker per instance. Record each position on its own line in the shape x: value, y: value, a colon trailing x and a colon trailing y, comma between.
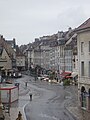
x: 14, y: 113
x: 20, y: 104
x: 78, y: 113
x: 14, y: 110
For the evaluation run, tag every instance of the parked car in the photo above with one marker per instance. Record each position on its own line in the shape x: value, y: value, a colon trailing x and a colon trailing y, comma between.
x: 41, y: 78
x: 17, y: 74
x: 46, y: 79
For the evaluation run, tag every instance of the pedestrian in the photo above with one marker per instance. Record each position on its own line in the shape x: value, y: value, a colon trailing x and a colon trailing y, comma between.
x: 30, y: 96
x: 19, y: 116
x: 26, y: 84
x: 57, y: 79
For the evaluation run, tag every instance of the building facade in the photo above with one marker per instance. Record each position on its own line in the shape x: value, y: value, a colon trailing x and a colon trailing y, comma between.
x: 5, y: 60
x: 7, y: 57
x: 83, y: 43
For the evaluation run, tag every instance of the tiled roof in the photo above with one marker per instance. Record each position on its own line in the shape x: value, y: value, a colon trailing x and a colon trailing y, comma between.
x: 85, y: 25
x: 18, y: 52
x: 53, y: 43
x: 7, y: 47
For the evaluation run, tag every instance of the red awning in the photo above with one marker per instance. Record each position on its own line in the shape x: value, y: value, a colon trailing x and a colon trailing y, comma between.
x: 65, y: 73
x: 68, y: 77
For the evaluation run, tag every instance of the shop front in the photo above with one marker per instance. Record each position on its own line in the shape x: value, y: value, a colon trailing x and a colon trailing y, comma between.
x: 85, y: 99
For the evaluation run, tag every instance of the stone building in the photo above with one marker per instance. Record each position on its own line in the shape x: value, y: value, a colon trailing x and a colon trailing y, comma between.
x: 7, y: 56
x: 54, y: 56
x: 62, y: 52
x: 70, y: 56
x: 5, y: 60
x: 45, y: 53
x: 20, y: 59
x: 83, y: 44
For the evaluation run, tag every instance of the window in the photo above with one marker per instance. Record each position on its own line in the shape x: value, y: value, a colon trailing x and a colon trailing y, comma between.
x: 82, y: 46
x: 82, y: 68
x: 89, y: 70
x: 89, y: 46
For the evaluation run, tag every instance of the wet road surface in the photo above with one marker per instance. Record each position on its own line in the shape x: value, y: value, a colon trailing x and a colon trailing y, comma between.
x: 51, y: 102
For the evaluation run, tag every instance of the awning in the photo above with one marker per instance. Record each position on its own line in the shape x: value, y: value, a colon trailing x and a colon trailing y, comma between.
x: 68, y: 77
x: 65, y: 74
x: 74, y: 74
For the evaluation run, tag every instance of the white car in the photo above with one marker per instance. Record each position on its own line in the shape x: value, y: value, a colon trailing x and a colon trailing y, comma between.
x: 46, y: 79
x: 19, y: 75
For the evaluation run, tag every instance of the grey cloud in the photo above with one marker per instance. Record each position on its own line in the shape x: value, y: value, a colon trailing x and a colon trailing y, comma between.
x: 71, y: 17
x: 27, y: 19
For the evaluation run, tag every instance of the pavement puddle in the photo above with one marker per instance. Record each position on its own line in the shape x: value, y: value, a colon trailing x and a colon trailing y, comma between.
x: 47, y: 116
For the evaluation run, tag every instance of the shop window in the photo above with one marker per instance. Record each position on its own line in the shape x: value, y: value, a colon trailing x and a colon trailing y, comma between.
x: 83, y: 97
x: 89, y: 99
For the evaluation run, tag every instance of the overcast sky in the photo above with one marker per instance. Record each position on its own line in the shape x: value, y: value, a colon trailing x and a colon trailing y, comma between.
x: 26, y: 20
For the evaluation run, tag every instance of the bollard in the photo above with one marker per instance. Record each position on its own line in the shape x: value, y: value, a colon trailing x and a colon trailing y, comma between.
x: 30, y: 96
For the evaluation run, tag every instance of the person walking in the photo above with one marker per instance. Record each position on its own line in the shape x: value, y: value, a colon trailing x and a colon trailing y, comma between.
x: 19, y: 116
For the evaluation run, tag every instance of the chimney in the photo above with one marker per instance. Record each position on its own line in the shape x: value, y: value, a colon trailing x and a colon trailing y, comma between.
x: 14, y: 43
x: 1, y: 36
x: 69, y: 29
x: 36, y: 39
x: 13, y: 39
x: 60, y: 34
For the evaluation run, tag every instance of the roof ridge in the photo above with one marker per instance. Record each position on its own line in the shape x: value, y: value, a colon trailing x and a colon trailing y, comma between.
x: 84, y: 25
